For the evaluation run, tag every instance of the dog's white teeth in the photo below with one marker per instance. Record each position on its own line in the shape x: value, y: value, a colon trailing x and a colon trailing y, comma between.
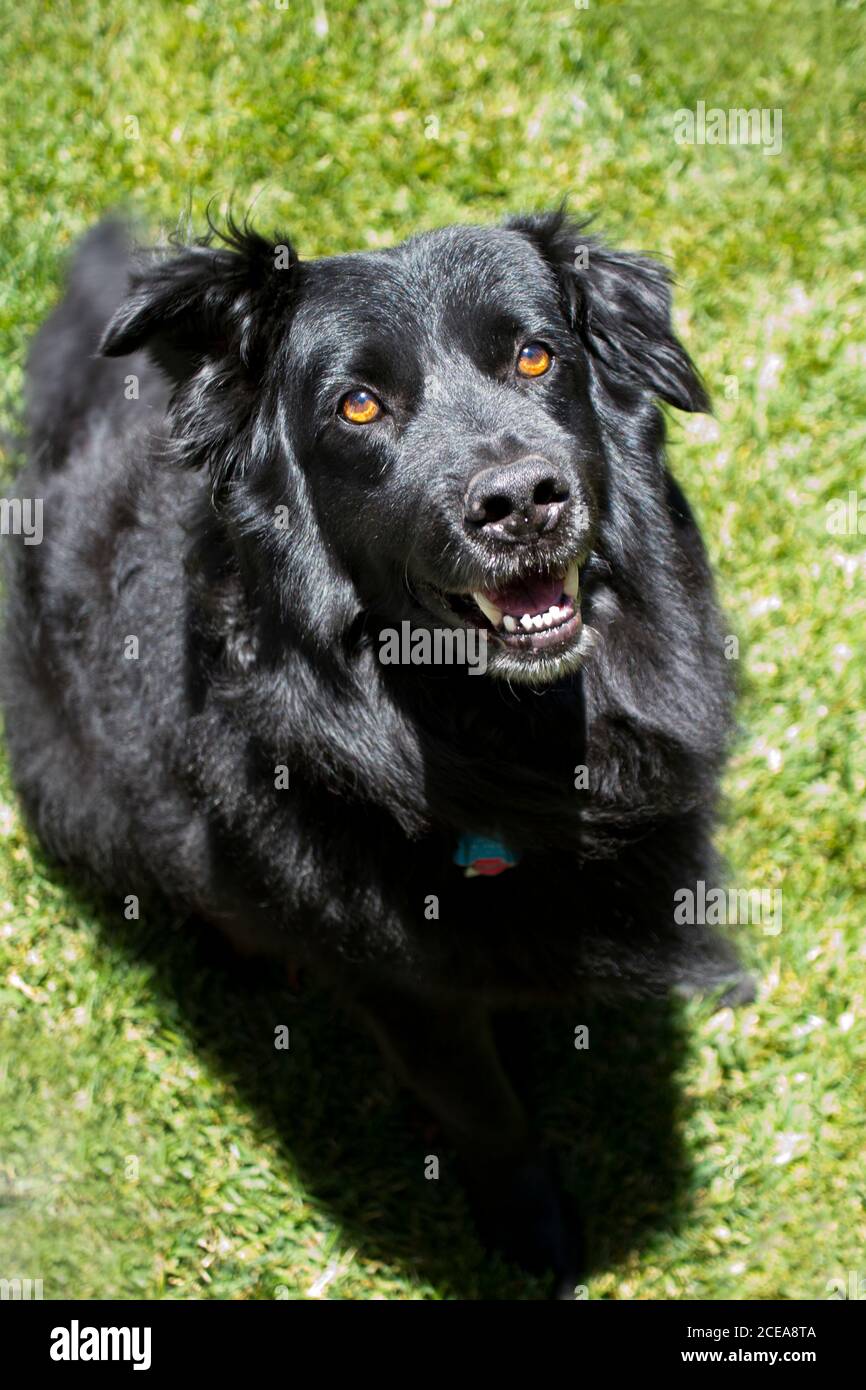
x: 538, y: 622
x: 571, y: 583
x: 487, y: 608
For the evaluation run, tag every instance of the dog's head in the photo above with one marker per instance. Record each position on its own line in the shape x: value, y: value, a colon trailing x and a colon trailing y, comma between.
x: 420, y: 432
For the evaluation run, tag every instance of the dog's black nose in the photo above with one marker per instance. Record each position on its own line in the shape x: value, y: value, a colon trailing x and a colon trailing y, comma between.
x: 517, y: 501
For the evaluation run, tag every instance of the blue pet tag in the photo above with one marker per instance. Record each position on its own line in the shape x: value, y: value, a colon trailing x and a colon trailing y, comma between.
x: 479, y: 856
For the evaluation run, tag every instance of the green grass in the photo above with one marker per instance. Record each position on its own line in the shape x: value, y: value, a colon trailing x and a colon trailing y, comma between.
x: 150, y: 1144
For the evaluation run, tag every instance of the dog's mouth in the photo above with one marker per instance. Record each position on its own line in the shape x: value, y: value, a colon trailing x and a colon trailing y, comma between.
x: 538, y: 613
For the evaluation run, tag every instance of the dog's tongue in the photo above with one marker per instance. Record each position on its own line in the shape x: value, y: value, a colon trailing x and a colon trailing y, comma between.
x: 529, y: 596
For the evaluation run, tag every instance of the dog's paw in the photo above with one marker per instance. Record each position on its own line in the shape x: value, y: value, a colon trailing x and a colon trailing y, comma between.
x: 522, y: 1214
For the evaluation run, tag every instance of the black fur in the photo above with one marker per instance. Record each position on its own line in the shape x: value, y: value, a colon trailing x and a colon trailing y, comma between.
x: 258, y: 643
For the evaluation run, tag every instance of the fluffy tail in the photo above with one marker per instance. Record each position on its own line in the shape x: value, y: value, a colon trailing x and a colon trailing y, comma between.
x: 65, y: 371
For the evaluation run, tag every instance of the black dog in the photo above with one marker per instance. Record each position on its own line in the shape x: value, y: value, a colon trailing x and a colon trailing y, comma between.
x: 459, y: 435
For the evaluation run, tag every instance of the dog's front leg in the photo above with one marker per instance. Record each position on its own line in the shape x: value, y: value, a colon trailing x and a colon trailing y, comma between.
x: 446, y: 1053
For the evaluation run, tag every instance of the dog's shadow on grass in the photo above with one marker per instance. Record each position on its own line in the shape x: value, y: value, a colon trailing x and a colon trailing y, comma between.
x: 361, y: 1147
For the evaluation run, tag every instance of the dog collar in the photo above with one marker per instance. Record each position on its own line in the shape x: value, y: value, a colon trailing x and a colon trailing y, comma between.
x: 479, y: 856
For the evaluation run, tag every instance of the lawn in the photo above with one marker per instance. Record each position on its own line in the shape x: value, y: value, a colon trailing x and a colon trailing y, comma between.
x: 149, y: 1147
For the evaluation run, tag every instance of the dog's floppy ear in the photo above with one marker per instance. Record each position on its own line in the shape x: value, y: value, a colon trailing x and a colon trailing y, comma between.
x: 205, y: 303
x: 620, y: 304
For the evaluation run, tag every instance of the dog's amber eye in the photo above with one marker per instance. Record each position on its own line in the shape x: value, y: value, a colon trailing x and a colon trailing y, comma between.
x: 361, y: 407
x: 534, y: 360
